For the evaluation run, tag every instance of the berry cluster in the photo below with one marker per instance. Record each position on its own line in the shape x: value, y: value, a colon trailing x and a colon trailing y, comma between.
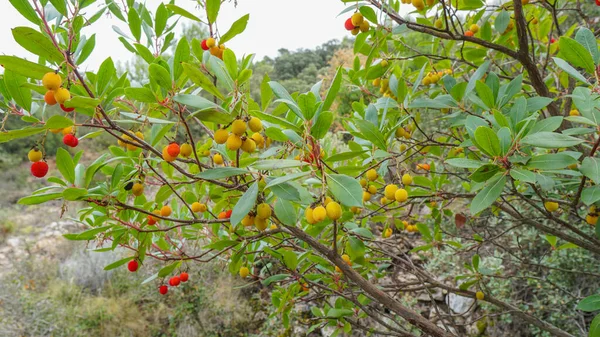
x: 259, y: 218
x: 357, y: 23
x: 236, y: 138
x: 173, y: 150
x: 210, y: 44
x: 434, y: 77
x: 328, y: 209
x: 56, y: 94
x: 473, y: 29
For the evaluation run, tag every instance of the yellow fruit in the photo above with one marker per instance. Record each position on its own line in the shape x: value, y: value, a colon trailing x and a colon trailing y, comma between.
x: 372, y: 174
x: 357, y: 19
x: 238, y: 127
x: 366, y: 196
x: 364, y: 26
x: 407, y: 179
x: 401, y: 195
x: 534, y: 21
x: 166, y: 210
x: 574, y: 112
x: 384, y: 63
x: 248, y: 145
x: 34, y: 155
x: 263, y: 211
x: 67, y: 130
x: 61, y: 95
x: 59, y: 130
x: 248, y: 221
x: 210, y: 42
x: 137, y: 189
x: 218, y: 159
x: 474, y: 28
x: 524, y: 2
x: 166, y: 156
x: 430, y: 2
x: 591, y: 219
x: 372, y: 189
x: 244, y: 272
x: 377, y: 82
x: 334, y: 210
x: 355, y: 31
x: 355, y: 210
x: 390, y: 191
x: 419, y: 4
x: 234, y: 142
x: 363, y: 182
x: 386, y: 233
x: 255, y: 124
x: 221, y: 136
x: 258, y: 139
x: 400, y: 132
x: 197, y: 207
x: 185, y: 150
x: 439, y: 24
x: 480, y: 296
x: 551, y: 206
x: 261, y: 224
x: 346, y: 259
x: 273, y: 227
x: 383, y: 200
x: 319, y: 213
x: 51, y: 81
x: 327, y: 201
x: 308, y: 215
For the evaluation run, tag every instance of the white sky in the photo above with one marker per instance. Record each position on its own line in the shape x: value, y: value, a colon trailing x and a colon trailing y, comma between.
x: 273, y: 24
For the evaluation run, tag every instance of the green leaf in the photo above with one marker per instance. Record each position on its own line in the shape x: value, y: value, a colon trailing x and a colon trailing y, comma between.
x: 105, y: 74
x: 15, y: 86
x: 90, y: 234
x: 334, y: 88
x: 486, y: 197
x: 37, y: 43
x: 72, y: 193
x: 212, y: 10
x: 119, y: 263
x: 286, y: 178
x: 485, y: 93
x: 286, y: 191
x: 595, y: 327
x: 19, y: 133
x: 477, y: 76
x: 276, y: 164
x: 285, y: 211
x: 222, y: 244
x: 39, y: 198
x: 550, y: 140
x: 236, y: 28
x: 140, y: 94
x: 24, y: 67
x: 82, y: 102
x: 182, y: 54
x: 569, y: 69
x: 371, y: 133
x: 26, y: 10
x: 160, y: 20
x: 488, y: 141
x: 168, y: 269
x: 590, y: 195
x: 464, y: 163
x: 590, y: 167
x: 65, y: 165
x: 284, y: 97
x: 590, y: 303
x: 365, y: 232
x: 58, y: 122
x: 338, y: 313
x: 502, y: 21
x: 587, y: 39
x: 345, y: 189
x: 87, y: 49
x: 161, y: 76
x: 135, y: 24
x: 221, y: 172
x: 345, y: 156
x: 274, y: 278
x: 207, y: 110
x: 180, y: 11
x: 322, y: 124
x: 198, y: 77
x: 523, y: 175
x: 244, y: 204
x: 552, y: 161
x: 576, y: 54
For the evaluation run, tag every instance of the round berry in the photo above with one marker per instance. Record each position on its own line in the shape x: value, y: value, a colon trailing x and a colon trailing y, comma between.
x: 70, y: 140
x: 51, y: 81
x: 184, y: 277
x: 163, y: 290
x: 133, y: 266
x: 65, y: 109
x: 49, y: 98
x: 173, y: 149
x: 34, y: 155
x: 204, y: 46
x: 174, y: 281
x: 39, y: 169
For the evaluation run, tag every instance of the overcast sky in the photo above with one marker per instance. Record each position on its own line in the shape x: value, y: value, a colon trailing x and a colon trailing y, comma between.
x: 273, y: 24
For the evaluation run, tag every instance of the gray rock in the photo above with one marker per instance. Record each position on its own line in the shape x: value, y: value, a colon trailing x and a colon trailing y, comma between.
x: 459, y: 304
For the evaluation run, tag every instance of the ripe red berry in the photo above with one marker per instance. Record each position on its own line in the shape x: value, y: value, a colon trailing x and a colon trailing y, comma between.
x: 228, y: 213
x: 173, y: 149
x: 174, y: 281
x: 65, y: 109
x: 163, y: 290
x: 348, y: 24
x: 204, y: 46
x: 133, y: 266
x: 552, y: 40
x: 597, y: 2
x: 151, y: 221
x: 70, y: 140
x: 184, y: 277
x: 39, y: 169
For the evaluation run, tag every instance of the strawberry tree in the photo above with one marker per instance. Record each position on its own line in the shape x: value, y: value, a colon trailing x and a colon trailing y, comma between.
x: 485, y: 127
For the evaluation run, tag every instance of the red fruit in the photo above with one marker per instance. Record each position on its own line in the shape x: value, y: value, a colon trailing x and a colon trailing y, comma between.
x: 133, y: 266
x: 204, y: 46
x: 70, y: 140
x: 552, y: 40
x: 222, y: 215
x: 151, y: 220
x: 163, y: 290
x: 39, y: 169
x: 174, y: 281
x: 228, y: 214
x: 348, y: 24
x: 173, y: 149
x: 184, y: 277
x: 469, y: 33
x: 597, y: 2
x: 65, y: 109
